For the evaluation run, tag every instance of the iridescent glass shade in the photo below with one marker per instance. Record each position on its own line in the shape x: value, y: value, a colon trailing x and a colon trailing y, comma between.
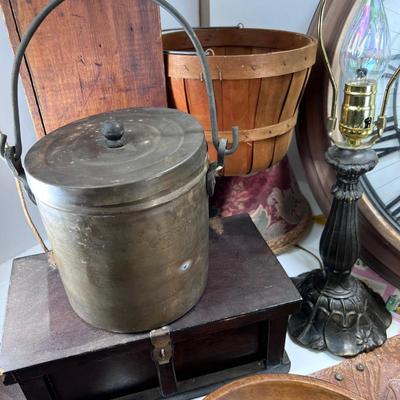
x: 366, y: 48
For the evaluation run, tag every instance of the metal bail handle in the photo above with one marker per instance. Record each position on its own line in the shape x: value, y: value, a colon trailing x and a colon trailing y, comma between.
x: 12, y: 154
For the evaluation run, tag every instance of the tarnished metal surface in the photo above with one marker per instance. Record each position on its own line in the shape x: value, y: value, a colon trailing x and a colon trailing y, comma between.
x: 162, y: 346
x: 128, y: 271
x: 128, y: 225
x: 74, y: 166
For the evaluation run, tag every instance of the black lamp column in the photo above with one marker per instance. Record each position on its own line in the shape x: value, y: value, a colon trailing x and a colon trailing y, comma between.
x: 340, y: 313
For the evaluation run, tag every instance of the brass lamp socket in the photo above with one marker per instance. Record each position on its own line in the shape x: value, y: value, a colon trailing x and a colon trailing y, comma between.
x: 358, y: 111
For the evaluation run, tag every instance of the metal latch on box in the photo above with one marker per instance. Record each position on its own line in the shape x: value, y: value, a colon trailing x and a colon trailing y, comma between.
x: 162, y: 354
x: 162, y: 347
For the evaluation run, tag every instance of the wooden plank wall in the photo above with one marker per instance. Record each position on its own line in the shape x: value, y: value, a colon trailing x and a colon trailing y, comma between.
x: 89, y: 56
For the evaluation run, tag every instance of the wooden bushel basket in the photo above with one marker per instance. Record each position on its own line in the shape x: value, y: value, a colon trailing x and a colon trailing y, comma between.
x: 259, y: 76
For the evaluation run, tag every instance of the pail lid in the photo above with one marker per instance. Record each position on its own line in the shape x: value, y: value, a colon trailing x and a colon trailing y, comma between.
x: 116, y: 157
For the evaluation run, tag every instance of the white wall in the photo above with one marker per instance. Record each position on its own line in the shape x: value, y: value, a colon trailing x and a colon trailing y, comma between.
x: 15, y: 236
x: 292, y: 15
x: 188, y: 8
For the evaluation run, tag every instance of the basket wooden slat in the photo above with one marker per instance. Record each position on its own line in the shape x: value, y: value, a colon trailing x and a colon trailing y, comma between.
x: 259, y: 77
x: 298, y: 81
x: 178, y: 94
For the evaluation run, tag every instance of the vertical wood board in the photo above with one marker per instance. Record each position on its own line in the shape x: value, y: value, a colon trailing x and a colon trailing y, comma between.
x: 89, y: 56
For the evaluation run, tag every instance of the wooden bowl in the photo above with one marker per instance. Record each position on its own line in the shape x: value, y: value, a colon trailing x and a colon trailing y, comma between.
x: 282, y: 387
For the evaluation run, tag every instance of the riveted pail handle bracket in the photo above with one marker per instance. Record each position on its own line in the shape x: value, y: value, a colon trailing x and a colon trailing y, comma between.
x: 12, y: 154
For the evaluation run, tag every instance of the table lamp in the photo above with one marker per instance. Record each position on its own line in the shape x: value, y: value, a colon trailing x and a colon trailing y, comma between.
x: 340, y: 313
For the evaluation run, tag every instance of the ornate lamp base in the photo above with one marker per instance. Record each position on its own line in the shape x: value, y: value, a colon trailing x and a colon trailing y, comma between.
x: 340, y: 313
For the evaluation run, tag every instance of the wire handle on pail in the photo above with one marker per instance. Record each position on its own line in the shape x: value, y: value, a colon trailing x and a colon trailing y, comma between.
x: 12, y: 154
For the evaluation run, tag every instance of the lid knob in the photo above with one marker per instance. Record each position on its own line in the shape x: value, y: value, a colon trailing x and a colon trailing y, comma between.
x: 113, y: 131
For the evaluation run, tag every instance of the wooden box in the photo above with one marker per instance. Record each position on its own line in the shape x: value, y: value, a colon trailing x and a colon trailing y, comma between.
x: 237, y: 328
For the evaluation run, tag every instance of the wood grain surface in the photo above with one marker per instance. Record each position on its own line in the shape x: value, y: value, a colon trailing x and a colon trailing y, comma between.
x: 89, y: 56
x: 285, y: 387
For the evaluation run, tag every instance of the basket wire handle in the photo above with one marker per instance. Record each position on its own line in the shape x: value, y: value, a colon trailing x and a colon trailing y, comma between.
x: 12, y: 154
x: 208, y: 82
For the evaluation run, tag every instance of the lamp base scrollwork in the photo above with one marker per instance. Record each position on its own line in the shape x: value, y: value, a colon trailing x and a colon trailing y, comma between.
x: 340, y: 313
